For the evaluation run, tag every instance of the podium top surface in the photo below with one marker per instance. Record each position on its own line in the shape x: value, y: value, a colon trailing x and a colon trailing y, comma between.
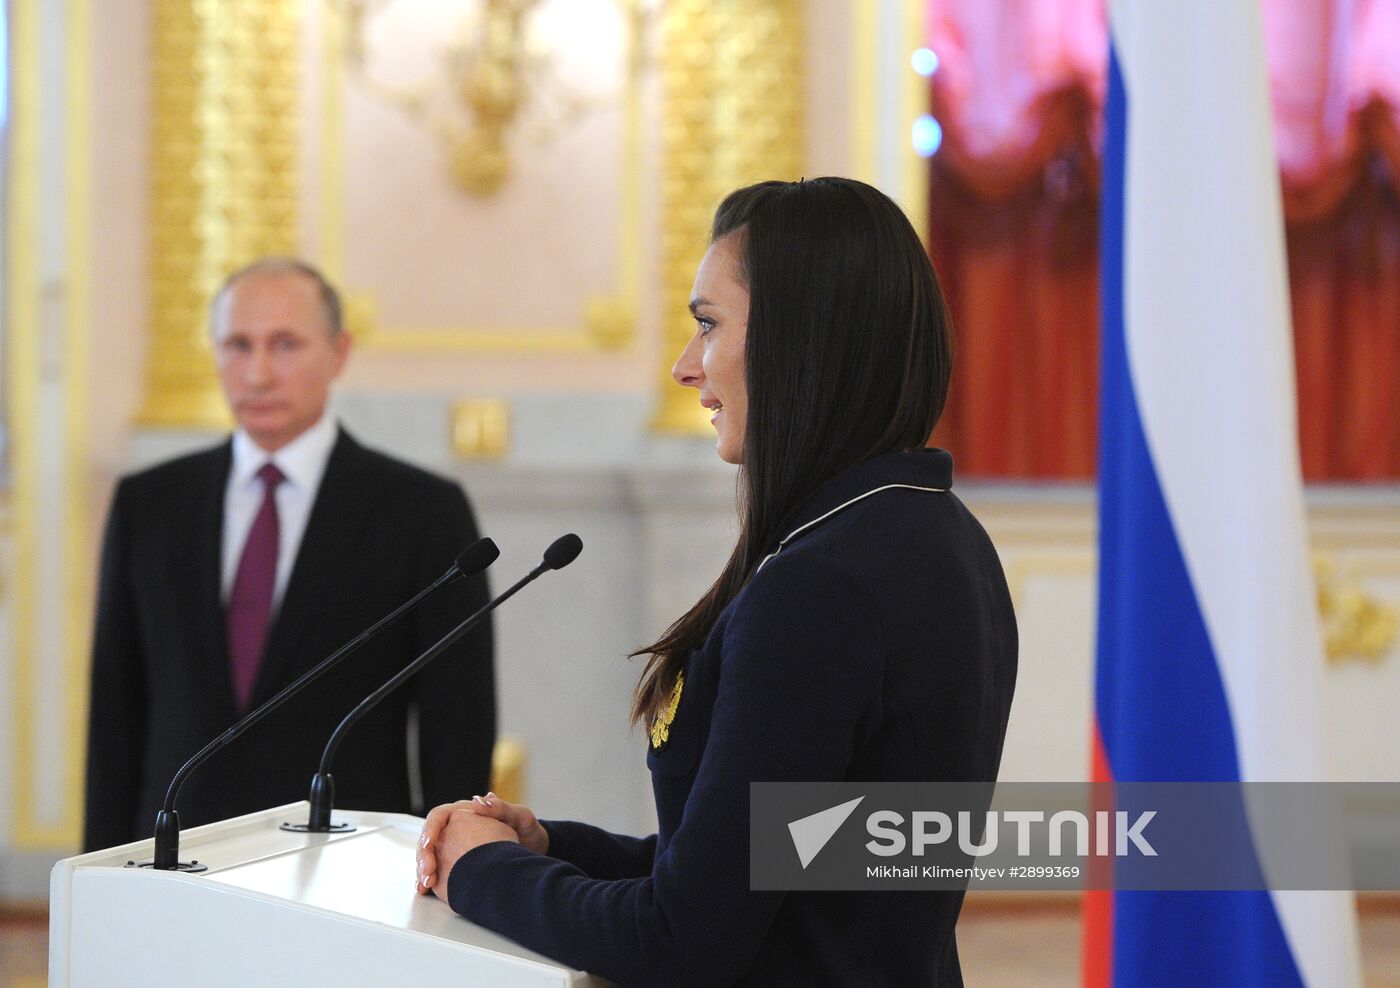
x: 362, y: 878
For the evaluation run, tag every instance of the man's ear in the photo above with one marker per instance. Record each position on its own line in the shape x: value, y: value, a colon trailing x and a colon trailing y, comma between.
x: 342, y: 350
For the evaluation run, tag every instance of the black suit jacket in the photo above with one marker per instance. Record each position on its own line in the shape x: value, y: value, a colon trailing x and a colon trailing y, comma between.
x: 379, y: 531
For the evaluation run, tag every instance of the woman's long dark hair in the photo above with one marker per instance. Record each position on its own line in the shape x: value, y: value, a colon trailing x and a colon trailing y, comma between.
x: 848, y: 356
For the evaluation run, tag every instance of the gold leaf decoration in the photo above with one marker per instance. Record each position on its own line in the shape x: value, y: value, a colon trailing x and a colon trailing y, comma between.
x: 661, y: 726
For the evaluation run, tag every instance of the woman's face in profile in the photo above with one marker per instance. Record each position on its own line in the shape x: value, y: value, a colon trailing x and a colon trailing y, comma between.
x: 713, y: 361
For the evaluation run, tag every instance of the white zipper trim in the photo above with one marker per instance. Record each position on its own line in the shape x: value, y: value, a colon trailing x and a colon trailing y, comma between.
x: 840, y: 507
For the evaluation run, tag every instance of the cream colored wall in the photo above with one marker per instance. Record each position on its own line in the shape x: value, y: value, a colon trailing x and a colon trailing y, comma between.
x: 120, y: 98
x: 533, y: 253
x: 1047, y: 542
x: 528, y: 259
x: 831, y: 93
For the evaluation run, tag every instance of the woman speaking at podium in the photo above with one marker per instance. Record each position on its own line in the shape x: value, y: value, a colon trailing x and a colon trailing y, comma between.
x: 861, y: 630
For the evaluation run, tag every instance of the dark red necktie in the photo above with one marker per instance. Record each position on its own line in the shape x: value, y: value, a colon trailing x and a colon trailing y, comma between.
x: 250, y: 602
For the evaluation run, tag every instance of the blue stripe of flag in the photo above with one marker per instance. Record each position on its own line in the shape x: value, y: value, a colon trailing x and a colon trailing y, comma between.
x: 1160, y: 701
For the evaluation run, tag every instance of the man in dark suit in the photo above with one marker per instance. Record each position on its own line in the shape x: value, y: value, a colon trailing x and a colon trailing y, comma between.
x: 229, y: 572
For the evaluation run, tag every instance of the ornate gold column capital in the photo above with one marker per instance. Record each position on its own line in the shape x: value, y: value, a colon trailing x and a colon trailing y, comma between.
x: 733, y: 94
x: 224, y: 80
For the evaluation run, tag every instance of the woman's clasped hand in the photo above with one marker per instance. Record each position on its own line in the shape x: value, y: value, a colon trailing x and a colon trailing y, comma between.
x: 453, y: 829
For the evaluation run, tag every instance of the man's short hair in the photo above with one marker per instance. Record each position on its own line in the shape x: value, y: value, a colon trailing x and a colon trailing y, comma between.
x: 329, y: 297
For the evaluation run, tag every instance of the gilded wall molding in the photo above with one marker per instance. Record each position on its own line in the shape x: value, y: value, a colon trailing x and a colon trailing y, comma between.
x: 884, y: 34
x: 733, y: 95
x: 47, y: 386
x: 1355, y: 623
x: 224, y: 139
x: 914, y: 169
x: 21, y: 386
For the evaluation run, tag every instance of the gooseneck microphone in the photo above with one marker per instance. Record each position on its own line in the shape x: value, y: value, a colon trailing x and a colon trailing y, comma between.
x: 561, y: 552
x: 472, y: 560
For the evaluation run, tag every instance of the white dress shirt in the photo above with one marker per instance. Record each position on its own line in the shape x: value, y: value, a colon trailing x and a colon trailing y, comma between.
x: 303, y: 462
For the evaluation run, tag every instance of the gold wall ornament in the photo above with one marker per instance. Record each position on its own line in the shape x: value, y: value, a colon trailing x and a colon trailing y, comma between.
x: 609, y: 325
x: 733, y: 93
x: 224, y: 85
x: 493, y: 87
x: 1354, y: 624
x: 608, y: 322
x: 481, y: 428
x: 491, y: 73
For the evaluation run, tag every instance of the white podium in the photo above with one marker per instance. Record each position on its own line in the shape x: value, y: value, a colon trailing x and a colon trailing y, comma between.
x: 275, y: 908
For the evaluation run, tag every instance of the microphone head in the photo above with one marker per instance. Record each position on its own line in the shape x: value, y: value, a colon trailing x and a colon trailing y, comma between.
x: 477, y: 556
x: 562, y: 551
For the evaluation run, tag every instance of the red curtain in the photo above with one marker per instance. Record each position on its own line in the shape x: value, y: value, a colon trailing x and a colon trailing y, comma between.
x: 1014, y: 227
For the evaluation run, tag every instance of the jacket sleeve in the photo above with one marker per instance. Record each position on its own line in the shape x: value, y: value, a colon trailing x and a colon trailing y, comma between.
x: 117, y: 706
x: 801, y: 662
x: 456, y: 694
x: 598, y: 853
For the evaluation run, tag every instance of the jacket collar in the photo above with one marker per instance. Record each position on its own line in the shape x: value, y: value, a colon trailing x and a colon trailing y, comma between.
x: 923, y: 469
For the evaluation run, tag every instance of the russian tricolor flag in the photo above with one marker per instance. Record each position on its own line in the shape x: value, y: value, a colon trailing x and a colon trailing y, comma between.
x: 1209, y: 647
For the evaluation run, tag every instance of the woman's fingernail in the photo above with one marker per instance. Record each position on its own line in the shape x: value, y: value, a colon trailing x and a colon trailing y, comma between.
x: 492, y: 795
x: 423, y: 840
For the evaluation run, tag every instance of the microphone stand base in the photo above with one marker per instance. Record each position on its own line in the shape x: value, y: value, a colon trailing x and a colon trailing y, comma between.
x: 192, y: 867
x: 306, y: 828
